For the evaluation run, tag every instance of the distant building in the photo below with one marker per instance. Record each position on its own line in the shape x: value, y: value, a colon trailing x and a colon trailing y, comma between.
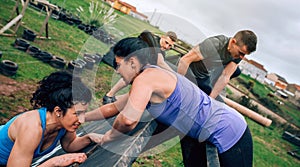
x: 295, y: 89
x: 127, y: 9
x: 279, y: 82
x: 253, y: 69
x: 297, y: 93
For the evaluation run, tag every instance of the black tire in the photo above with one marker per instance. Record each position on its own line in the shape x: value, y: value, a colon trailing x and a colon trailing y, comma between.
x: 62, y: 16
x: 44, y: 56
x: 98, y: 58
x: 58, y: 62
x: 32, y: 50
x: 8, y: 67
x: 81, y: 62
x: 81, y: 27
x: 74, y: 67
x: 89, y: 56
x: 75, y: 20
x: 21, y: 44
x: 88, y: 30
x: 28, y: 35
x: 89, y: 63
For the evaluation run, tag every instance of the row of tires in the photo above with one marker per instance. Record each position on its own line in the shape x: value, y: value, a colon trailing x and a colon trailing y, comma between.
x: 58, y: 14
x: 98, y: 33
x: 10, y: 68
x: 67, y: 17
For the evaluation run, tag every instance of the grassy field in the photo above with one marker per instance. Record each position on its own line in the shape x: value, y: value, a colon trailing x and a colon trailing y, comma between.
x: 70, y: 43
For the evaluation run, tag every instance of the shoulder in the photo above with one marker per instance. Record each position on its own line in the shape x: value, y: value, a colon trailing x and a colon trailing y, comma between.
x: 28, y: 123
x: 148, y: 76
x: 217, y: 39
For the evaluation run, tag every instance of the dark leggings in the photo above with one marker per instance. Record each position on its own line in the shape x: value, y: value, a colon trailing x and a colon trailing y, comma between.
x: 241, y: 154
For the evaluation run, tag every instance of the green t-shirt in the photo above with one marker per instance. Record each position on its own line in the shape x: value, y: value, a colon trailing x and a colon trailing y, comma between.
x: 216, y: 56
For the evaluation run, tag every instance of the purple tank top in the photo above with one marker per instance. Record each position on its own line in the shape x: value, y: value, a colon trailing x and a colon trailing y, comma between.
x: 195, y: 114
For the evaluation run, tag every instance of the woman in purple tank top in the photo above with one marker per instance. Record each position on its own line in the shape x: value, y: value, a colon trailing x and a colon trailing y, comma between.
x: 175, y: 101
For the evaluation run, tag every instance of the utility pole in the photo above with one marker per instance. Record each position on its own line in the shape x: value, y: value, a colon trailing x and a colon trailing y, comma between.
x: 152, y: 15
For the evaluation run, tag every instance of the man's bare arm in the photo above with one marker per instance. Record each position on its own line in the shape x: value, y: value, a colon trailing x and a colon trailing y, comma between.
x: 223, y: 79
x: 192, y: 56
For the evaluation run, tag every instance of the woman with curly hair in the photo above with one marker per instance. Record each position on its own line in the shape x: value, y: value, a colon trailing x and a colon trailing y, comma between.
x: 59, y: 105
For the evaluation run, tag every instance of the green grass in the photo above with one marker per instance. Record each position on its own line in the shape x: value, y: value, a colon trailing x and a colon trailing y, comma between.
x: 268, y: 147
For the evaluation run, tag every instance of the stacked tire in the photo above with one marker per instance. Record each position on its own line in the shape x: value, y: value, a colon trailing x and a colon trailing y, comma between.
x: 33, y: 51
x: 28, y: 35
x: 57, y: 62
x: 8, y: 68
x: 21, y: 44
x: 75, y: 67
x: 44, y: 56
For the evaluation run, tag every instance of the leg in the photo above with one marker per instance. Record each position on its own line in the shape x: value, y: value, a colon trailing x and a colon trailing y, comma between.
x: 193, y: 152
x: 241, y: 154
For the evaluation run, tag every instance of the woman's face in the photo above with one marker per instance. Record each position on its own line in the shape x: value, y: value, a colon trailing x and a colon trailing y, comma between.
x: 74, y: 117
x: 127, y: 69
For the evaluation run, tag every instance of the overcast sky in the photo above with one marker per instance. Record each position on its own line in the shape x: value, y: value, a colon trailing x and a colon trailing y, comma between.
x: 276, y: 23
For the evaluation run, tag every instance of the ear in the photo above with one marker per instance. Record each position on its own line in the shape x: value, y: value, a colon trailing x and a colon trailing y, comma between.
x: 233, y: 40
x: 57, y: 111
x: 133, y: 61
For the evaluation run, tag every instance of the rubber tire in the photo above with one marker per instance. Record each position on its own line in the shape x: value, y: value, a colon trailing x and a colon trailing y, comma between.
x: 32, y: 50
x: 44, y: 56
x: 28, y: 35
x: 8, y: 67
x: 89, y: 63
x: 74, y: 67
x: 81, y: 62
x: 21, y: 44
x: 58, y: 62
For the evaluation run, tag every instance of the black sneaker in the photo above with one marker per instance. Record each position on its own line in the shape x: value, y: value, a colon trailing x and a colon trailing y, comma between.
x: 107, y: 99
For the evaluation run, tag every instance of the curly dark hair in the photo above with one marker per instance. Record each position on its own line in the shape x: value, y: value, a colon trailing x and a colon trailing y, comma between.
x: 60, y: 89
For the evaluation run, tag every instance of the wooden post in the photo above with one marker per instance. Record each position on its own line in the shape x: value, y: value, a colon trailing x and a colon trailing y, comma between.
x: 22, y: 13
x: 14, y: 10
x: 49, y: 12
x: 247, y: 112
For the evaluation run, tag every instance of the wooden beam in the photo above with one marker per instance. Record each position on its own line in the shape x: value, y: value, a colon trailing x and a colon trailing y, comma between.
x: 247, y: 112
x: 11, y: 23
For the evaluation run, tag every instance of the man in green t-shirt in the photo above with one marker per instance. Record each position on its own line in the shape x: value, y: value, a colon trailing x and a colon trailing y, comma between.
x: 213, y: 62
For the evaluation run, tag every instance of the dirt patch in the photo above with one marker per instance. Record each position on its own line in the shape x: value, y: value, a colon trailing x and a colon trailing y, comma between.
x: 14, y: 97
